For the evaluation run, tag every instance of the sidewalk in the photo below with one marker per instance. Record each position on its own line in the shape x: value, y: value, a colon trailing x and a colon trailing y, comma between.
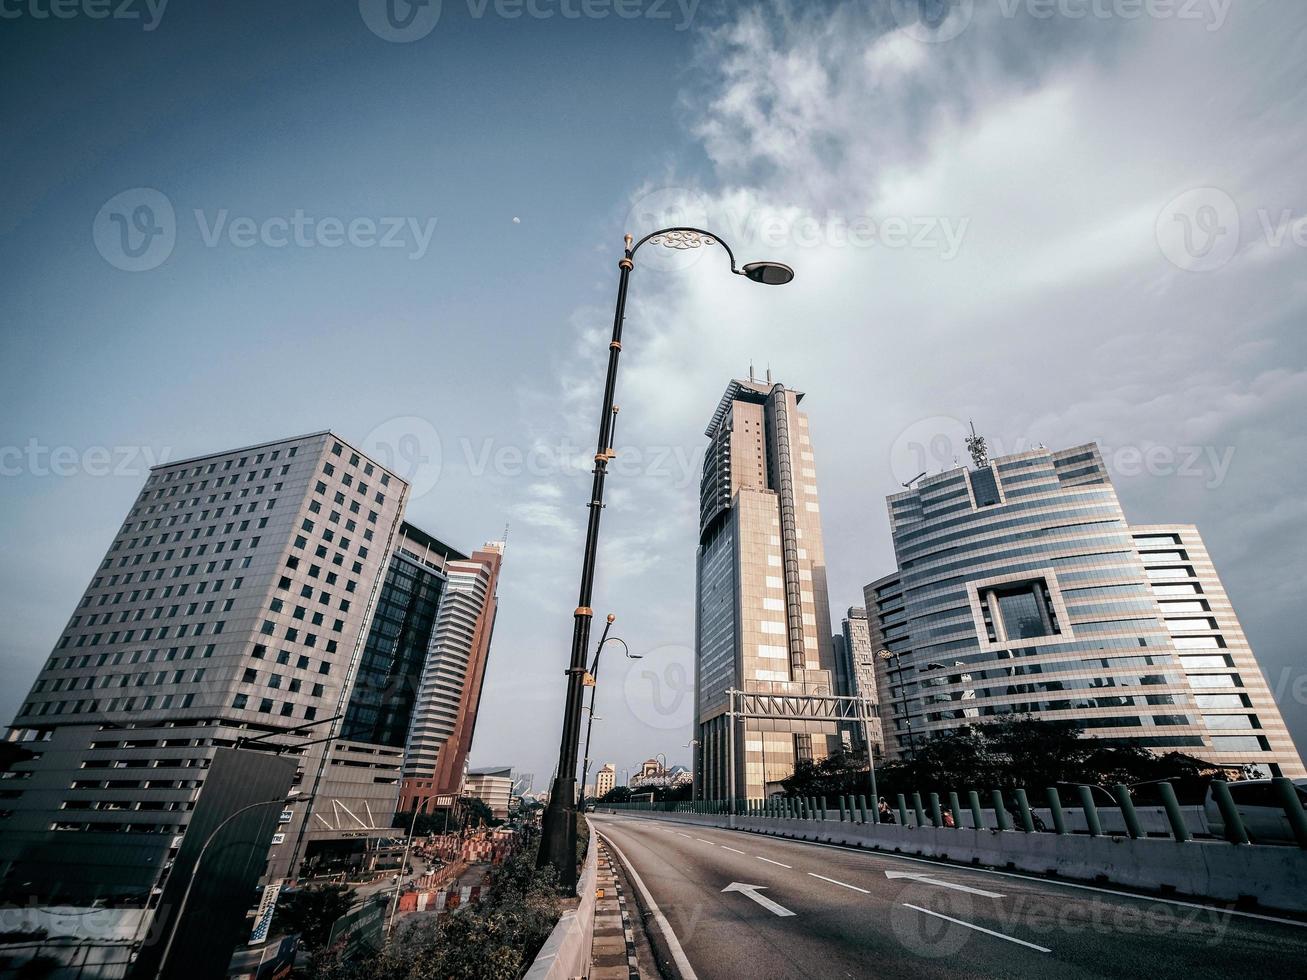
x: 613, y: 954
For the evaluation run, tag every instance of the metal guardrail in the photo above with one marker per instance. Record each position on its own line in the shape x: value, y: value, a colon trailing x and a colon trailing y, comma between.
x: 1016, y: 815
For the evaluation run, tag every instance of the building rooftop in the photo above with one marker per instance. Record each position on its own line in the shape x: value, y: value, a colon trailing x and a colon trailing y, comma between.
x: 744, y: 389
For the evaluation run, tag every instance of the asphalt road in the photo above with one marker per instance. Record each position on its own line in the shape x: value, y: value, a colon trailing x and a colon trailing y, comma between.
x: 827, y: 912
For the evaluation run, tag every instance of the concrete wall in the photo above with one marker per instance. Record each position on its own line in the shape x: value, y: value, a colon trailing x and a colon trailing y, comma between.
x: 566, y: 953
x: 1275, y: 877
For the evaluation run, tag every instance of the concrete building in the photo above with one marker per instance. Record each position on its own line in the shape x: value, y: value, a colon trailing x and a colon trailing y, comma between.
x: 232, y: 603
x: 450, y: 692
x: 855, y: 659
x: 492, y: 785
x: 1022, y: 588
x: 605, y: 779
x: 762, y: 612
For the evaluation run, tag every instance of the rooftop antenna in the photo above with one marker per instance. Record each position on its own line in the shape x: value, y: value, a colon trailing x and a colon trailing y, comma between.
x: 769, y: 374
x: 976, y: 446
x: 751, y: 370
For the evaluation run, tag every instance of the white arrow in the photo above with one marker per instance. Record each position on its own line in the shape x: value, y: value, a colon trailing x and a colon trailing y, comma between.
x: 926, y: 879
x: 752, y: 892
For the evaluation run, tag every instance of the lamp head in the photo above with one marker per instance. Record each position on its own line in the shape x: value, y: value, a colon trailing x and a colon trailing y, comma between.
x: 768, y: 273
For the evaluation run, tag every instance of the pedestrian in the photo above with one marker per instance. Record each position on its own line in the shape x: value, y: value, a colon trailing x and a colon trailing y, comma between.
x: 948, y: 819
x: 886, y: 814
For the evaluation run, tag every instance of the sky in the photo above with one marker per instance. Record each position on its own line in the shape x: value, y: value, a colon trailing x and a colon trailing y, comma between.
x: 1068, y: 221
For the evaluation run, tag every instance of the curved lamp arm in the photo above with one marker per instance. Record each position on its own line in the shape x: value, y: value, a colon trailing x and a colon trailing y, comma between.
x: 684, y: 238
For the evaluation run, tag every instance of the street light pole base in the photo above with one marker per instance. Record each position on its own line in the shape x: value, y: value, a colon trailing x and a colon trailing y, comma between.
x: 558, y: 834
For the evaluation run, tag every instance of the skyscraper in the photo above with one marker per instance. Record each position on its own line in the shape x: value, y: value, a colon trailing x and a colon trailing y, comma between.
x: 450, y: 692
x: 1021, y: 588
x: 762, y: 613
x: 855, y: 659
x: 230, y: 604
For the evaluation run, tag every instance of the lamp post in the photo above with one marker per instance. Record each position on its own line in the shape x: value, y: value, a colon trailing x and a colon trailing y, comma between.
x: 692, y: 745
x: 592, y: 679
x: 903, y: 697
x: 558, y: 829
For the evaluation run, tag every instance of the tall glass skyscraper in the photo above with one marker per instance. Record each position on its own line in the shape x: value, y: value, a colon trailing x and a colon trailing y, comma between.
x: 763, y: 616
x: 1022, y: 589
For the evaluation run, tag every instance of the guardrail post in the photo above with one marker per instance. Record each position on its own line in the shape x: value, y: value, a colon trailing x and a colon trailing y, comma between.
x: 955, y: 808
x: 1001, y: 819
x: 977, y: 819
x: 1234, y: 829
x: 918, y: 810
x: 1179, y: 830
x: 1128, y: 813
x: 1091, y: 811
x: 936, y: 817
x: 846, y: 811
x: 1055, y: 811
x: 862, y: 807
x: 1293, y: 808
x: 903, y: 809
x: 1023, y: 807
x: 821, y: 807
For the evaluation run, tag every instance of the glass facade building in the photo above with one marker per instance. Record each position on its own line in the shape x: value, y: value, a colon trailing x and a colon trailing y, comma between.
x: 1021, y: 588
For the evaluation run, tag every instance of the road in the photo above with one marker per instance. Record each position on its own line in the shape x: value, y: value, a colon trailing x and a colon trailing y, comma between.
x: 825, y: 912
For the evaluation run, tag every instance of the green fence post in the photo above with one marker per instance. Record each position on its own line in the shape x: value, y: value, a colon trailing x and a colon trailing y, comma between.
x: 1023, y: 806
x: 1055, y: 810
x: 1234, y: 829
x: 821, y: 807
x: 862, y: 807
x: 955, y: 808
x: 1091, y: 811
x: 977, y: 818
x: 1128, y: 813
x: 936, y: 816
x: 903, y: 809
x: 918, y: 809
x: 1293, y: 808
x: 1001, y: 820
x: 844, y: 808
x: 1179, y: 830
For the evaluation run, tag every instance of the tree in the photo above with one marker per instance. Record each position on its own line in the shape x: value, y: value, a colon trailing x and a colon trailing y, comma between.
x: 312, y: 911
x: 618, y: 794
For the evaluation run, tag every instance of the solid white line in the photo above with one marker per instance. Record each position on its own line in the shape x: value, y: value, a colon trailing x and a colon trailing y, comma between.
x: 770, y: 861
x: 972, y: 925
x: 673, y: 944
x: 725, y: 848
x: 834, y: 882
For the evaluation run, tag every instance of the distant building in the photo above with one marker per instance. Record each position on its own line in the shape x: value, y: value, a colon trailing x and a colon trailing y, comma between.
x: 1021, y: 588
x: 444, y: 717
x: 605, y: 780
x: 762, y: 612
x: 856, y: 671
x: 493, y: 786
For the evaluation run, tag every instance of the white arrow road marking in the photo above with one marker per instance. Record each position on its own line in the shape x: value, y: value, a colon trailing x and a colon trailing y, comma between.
x: 842, y: 884
x: 942, y: 884
x: 752, y: 892
x: 988, y: 932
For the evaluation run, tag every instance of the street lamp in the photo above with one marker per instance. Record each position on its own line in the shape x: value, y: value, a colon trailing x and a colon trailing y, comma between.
x: 558, y: 828
x: 591, y: 680
x: 903, y: 696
